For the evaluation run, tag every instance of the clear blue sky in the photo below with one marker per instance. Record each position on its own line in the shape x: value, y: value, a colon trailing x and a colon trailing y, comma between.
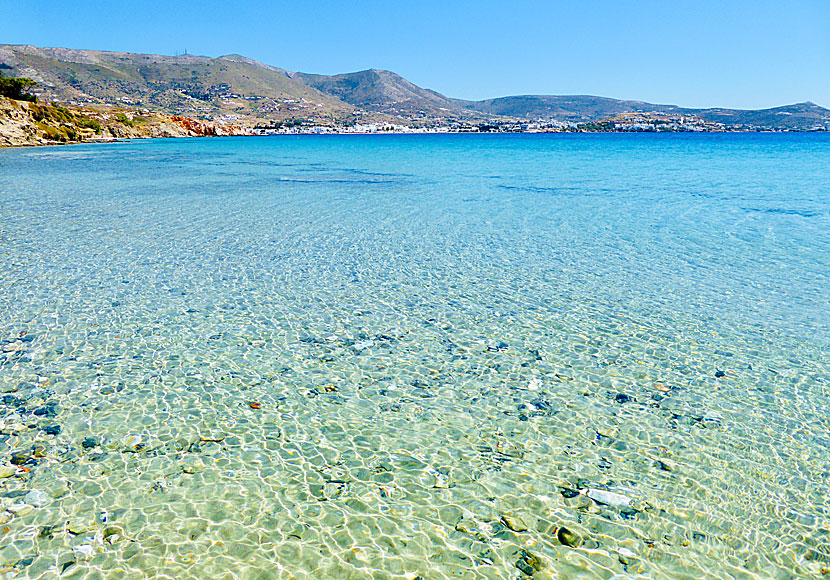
x: 732, y: 53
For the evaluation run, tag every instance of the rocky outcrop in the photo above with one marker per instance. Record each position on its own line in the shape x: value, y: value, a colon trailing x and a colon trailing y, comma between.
x: 197, y: 128
x: 17, y: 127
x: 23, y: 123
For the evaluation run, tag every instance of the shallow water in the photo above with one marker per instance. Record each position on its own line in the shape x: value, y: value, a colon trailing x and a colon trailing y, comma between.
x: 416, y: 356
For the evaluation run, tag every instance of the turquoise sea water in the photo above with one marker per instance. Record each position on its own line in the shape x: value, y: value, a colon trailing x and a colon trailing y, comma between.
x: 392, y: 357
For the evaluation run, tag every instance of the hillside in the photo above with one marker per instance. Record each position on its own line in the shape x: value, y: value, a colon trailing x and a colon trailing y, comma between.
x: 229, y: 87
x: 386, y: 92
x: 586, y: 108
x: 566, y: 108
x: 801, y: 116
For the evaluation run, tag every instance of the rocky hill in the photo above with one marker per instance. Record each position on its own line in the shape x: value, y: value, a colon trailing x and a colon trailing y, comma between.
x: 567, y: 108
x: 800, y: 117
x: 386, y: 92
x: 586, y: 108
x: 225, y: 88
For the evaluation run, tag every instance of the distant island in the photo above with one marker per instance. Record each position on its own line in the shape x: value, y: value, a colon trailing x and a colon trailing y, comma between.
x: 84, y: 95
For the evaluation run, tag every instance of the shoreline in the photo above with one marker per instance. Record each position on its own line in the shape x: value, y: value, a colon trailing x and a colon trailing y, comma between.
x: 389, y: 133
x: 27, y: 124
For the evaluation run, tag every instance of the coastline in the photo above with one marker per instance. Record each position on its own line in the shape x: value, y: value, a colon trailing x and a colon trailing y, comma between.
x: 26, y: 124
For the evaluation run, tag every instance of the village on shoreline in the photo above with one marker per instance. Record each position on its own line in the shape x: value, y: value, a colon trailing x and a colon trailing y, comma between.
x: 26, y: 123
x: 624, y: 123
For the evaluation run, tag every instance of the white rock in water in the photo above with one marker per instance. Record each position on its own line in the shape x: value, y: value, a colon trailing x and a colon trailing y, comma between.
x: 20, y: 509
x: 16, y: 346
x: 534, y: 385
x: 84, y: 550
x: 609, y: 498
x: 131, y: 441
x: 76, y: 528
x: 37, y: 498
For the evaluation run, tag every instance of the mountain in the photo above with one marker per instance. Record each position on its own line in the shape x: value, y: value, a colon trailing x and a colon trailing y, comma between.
x: 801, y: 116
x: 230, y: 86
x: 565, y: 108
x: 586, y: 108
x: 386, y: 92
x: 237, y: 89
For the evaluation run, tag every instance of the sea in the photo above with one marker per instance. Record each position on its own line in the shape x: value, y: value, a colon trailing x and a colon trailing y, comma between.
x: 416, y: 357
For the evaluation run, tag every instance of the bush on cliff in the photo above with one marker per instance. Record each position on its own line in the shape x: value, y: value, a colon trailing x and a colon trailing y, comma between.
x: 124, y: 119
x: 88, y: 123
x: 60, y: 134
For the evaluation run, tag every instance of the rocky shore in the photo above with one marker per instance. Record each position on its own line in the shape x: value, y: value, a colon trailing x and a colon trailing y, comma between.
x: 25, y: 124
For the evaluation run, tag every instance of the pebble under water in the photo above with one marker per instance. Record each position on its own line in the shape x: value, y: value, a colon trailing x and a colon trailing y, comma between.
x: 416, y: 357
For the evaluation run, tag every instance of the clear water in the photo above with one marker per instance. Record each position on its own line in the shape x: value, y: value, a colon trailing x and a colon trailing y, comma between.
x: 393, y: 357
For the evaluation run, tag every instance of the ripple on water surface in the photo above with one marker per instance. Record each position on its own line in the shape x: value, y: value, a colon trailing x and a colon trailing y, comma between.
x: 442, y: 357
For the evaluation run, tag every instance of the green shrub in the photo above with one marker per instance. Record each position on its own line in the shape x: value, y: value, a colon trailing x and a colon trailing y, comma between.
x: 124, y: 120
x: 63, y: 114
x: 62, y: 134
x: 39, y: 112
x: 88, y: 123
x: 51, y: 133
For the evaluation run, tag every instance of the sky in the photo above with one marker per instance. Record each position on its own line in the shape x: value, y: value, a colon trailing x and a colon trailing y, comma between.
x: 703, y: 53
